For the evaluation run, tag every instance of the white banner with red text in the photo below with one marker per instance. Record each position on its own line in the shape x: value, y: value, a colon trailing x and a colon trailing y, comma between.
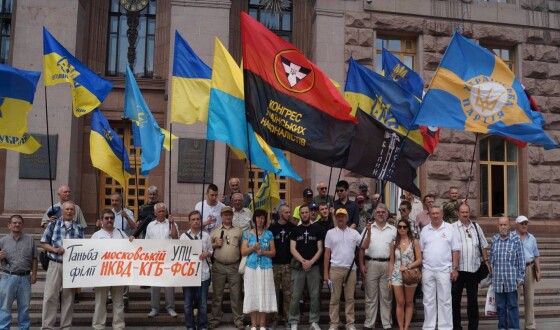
x: 115, y: 262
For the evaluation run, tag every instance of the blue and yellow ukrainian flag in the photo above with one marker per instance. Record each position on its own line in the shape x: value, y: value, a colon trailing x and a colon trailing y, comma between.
x: 107, y: 150
x: 17, y: 90
x: 475, y: 91
x: 190, y: 85
x: 268, y: 196
x: 145, y: 129
x: 88, y: 89
x: 227, y: 121
x: 378, y: 97
x: 397, y: 71
x: 393, y: 105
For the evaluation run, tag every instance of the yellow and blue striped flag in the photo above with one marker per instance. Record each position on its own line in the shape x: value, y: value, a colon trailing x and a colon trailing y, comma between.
x: 475, y: 91
x: 107, y: 150
x: 190, y: 85
x: 145, y: 129
x: 268, y: 196
x: 227, y: 121
x: 397, y: 71
x: 88, y: 89
x: 17, y: 90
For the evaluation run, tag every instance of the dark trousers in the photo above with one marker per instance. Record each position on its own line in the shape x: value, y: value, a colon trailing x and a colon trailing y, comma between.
x: 470, y: 282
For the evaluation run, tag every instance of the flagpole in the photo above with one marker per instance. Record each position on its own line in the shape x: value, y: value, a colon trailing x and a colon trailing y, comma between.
x: 97, y: 210
x: 203, y: 180
x: 49, y: 150
x: 329, y: 188
x: 169, y: 174
x: 251, y: 171
x: 226, y: 172
x: 472, y: 163
x: 136, y: 180
x: 124, y: 154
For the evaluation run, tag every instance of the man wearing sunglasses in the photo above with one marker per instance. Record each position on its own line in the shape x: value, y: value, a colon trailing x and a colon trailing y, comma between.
x: 108, y: 231
x: 345, y: 203
x: 405, y: 209
x: 472, y: 241
x: 322, y: 196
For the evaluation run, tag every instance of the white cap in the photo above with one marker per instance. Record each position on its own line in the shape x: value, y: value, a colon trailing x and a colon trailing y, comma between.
x: 521, y: 219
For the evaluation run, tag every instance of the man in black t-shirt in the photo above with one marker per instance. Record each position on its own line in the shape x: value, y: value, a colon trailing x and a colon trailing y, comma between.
x: 281, y: 230
x: 306, y: 245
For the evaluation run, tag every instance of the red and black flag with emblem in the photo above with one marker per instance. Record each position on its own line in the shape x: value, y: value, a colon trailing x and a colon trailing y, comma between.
x: 375, y: 153
x: 289, y: 101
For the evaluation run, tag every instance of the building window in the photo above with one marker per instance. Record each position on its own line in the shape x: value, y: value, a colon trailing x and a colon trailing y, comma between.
x: 279, y: 24
x: 499, y: 177
x: 403, y: 49
x: 258, y: 175
x: 117, y: 47
x: 506, y: 54
x: 5, y: 29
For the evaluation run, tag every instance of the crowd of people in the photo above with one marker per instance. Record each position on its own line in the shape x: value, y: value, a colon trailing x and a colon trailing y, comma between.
x: 427, y: 250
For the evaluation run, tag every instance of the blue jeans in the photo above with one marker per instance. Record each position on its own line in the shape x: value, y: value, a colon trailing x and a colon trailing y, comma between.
x: 17, y: 288
x: 508, y: 310
x: 200, y: 294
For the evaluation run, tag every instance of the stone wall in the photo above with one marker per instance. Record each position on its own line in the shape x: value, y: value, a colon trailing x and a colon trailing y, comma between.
x: 537, y: 56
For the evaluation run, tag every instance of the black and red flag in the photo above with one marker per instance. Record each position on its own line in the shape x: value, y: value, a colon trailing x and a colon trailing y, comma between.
x: 289, y: 101
x: 375, y: 153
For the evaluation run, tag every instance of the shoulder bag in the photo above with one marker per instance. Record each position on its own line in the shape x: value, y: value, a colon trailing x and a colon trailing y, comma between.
x: 482, y: 271
x: 414, y: 275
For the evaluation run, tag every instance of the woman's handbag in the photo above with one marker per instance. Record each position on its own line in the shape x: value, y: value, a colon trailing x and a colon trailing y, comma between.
x: 414, y: 275
x: 242, y: 265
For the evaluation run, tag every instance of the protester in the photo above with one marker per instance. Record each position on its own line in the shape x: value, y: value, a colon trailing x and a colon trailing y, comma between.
x: 471, y: 241
x: 146, y: 212
x: 307, y: 199
x: 313, y: 212
x: 210, y: 209
x: 235, y: 187
x: 344, y: 202
x: 423, y: 218
x: 55, y: 296
x: 368, y: 204
x: 54, y: 212
x: 226, y: 242
x: 405, y: 209
x: 162, y: 228
x: 198, y: 294
x: 306, y: 246
x: 365, y: 216
x: 451, y: 206
x: 374, y: 264
x: 281, y: 230
x: 405, y: 255
x: 18, y: 262
x: 258, y: 246
x: 440, y: 255
x: 242, y: 216
x: 108, y: 231
x: 508, y: 273
x: 322, y: 195
x: 532, y: 269
x: 339, y: 268
x: 416, y: 205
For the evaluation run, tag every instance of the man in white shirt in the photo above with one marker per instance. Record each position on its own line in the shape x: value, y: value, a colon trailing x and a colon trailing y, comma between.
x: 440, y: 253
x: 472, y: 241
x: 108, y: 231
x: 340, y: 248
x: 374, y: 264
x: 211, y: 209
x: 198, y: 293
x: 162, y: 228
x: 242, y: 216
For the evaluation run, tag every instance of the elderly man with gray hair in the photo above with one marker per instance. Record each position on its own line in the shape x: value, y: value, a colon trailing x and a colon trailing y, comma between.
x: 55, y: 211
x: 146, y: 212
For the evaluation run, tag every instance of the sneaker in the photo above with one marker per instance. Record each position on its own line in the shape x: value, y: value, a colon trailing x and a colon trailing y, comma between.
x: 153, y: 313
x: 172, y: 313
x: 294, y: 326
x: 314, y: 326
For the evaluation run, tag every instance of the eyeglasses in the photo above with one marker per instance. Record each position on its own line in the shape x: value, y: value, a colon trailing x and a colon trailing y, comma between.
x: 403, y: 227
x: 402, y: 209
x: 380, y: 212
x: 108, y: 218
x: 468, y: 232
x: 322, y: 188
x: 340, y: 190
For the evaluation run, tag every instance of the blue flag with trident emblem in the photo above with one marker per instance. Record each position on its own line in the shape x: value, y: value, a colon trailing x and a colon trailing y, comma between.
x: 146, y: 131
x: 474, y: 90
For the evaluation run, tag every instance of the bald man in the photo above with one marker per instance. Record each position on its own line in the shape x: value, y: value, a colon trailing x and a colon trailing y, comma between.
x: 64, y: 195
x: 235, y: 187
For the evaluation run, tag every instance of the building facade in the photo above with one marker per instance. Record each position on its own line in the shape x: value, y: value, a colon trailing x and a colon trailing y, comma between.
x: 505, y: 179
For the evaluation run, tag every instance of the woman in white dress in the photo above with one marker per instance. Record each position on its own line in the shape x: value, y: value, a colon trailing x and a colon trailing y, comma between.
x: 260, y: 296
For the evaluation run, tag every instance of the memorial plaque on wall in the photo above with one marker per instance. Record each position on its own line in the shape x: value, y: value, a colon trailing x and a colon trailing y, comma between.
x: 36, y: 166
x: 190, y: 167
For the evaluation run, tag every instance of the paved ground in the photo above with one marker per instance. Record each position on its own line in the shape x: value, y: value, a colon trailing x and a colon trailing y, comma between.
x: 542, y: 324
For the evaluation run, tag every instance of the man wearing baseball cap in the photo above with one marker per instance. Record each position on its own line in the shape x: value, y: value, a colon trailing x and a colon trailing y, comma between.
x: 532, y: 269
x: 307, y: 199
x: 368, y: 204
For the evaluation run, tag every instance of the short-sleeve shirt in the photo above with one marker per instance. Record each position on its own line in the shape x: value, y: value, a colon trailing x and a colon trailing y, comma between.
x: 19, y: 253
x: 530, y: 249
x: 255, y: 261
x: 243, y: 219
x: 56, y: 232
x: 103, y: 234
x: 437, y: 246
x: 122, y: 223
x: 343, y: 244
x: 470, y: 258
x: 281, y: 235
x: 380, y: 241
x: 306, y: 238
x: 159, y: 230
x: 206, y: 247
x: 352, y: 209
x: 215, y: 211
x: 230, y: 252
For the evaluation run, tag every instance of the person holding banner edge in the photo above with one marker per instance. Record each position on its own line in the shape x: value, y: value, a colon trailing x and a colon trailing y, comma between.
x: 108, y: 231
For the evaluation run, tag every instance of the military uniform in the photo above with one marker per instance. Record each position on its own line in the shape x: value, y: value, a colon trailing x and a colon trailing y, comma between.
x: 450, y: 209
